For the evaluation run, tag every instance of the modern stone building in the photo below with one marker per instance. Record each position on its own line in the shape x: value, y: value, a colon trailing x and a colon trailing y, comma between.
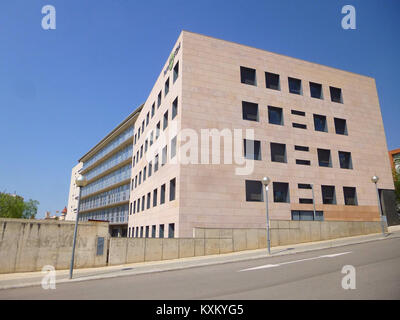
x: 315, y: 131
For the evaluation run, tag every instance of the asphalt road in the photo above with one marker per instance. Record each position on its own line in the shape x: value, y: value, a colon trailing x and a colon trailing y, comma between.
x: 310, y: 275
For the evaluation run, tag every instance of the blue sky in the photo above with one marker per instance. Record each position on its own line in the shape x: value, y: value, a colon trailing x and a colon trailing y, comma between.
x: 63, y: 90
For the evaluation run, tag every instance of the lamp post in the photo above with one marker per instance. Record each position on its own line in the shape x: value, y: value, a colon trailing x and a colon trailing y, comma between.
x: 80, y: 182
x: 266, y: 181
x: 375, y: 180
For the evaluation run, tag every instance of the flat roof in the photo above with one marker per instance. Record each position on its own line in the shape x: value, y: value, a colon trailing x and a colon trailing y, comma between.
x: 108, y: 136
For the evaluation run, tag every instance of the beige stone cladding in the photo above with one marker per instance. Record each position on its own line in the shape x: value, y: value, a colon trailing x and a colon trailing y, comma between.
x: 214, y: 196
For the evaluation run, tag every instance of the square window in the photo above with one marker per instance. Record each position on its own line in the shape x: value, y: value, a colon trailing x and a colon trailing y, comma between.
x: 328, y: 194
x: 316, y: 90
x: 324, y: 158
x: 174, y: 108
x: 165, y: 122
x: 275, y: 115
x: 295, y: 86
x: 172, y: 185
x: 252, y: 149
x: 345, y: 160
x: 320, y: 123
x: 173, y: 147
x: 176, y: 71
x: 350, y: 196
x: 272, y: 81
x: 278, y: 152
x: 336, y: 94
x: 281, y: 192
x: 162, y: 194
x: 166, y: 87
x: 248, y: 76
x: 340, y: 126
x: 254, y: 191
x: 250, y: 111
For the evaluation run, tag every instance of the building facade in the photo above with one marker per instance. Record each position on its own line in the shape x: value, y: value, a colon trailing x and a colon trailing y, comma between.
x: 221, y: 116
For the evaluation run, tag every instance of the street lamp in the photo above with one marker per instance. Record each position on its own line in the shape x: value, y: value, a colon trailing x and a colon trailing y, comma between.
x: 375, y: 180
x: 80, y: 182
x: 266, y: 181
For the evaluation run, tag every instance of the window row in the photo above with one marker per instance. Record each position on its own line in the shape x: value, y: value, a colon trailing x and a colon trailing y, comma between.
x: 112, y: 196
x: 272, y: 81
x: 252, y: 151
x: 255, y: 192
x: 152, y: 199
x: 113, y: 215
x: 114, y: 160
x: 145, y: 232
x: 150, y: 114
x: 109, y: 147
x: 250, y: 112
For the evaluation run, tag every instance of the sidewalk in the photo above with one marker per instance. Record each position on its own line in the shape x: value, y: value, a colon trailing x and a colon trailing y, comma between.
x: 26, y: 279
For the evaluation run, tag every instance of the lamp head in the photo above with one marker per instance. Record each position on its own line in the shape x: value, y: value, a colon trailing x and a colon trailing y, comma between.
x: 80, y: 181
x: 375, y: 179
x: 266, y: 181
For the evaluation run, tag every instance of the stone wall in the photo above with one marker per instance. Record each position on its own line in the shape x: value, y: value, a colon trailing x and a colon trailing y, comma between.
x: 28, y: 245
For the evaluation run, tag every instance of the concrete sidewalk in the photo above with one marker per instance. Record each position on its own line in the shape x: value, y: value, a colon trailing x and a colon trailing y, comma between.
x: 26, y: 279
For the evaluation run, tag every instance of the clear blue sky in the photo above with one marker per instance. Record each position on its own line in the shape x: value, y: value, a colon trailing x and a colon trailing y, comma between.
x: 63, y: 90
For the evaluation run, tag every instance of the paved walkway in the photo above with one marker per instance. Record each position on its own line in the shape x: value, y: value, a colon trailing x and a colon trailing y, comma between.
x: 26, y: 279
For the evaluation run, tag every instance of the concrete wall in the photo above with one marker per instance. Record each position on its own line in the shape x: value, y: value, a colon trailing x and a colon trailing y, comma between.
x: 28, y: 245
x: 218, y: 241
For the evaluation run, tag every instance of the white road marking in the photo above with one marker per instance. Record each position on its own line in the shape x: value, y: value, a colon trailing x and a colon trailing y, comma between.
x: 266, y: 266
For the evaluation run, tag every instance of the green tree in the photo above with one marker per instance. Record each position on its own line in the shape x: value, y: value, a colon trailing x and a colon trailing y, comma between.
x: 13, y: 206
x: 396, y: 179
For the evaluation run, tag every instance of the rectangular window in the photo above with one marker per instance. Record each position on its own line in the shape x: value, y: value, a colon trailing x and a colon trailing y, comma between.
x: 153, y: 231
x: 281, y: 192
x: 137, y: 232
x: 316, y: 90
x: 134, y: 207
x: 248, y: 76
x: 324, y: 158
x: 299, y: 125
x: 141, y: 151
x: 159, y: 100
x: 148, y: 200
x: 161, y: 231
x: 142, y: 126
x: 249, y: 111
x: 301, y: 148
x: 305, y: 201
x: 298, y: 113
x: 275, y: 115
x: 320, y: 123
x: 144, y: 174
x: 165, y: 122
x: 156, y: 163
x: 254, y: 191
x: 151, y: 138
x: 140, y: 177
x: 272, y: 81
x: 136, y: 181
x: 304, y: 186
x: 164, y: 156
x: 150, y: 169
x: 328, y: 194
x: 138, y: 205
x: 304, y: 215
x: 340, y: 126
x: 143, y: 203
x: 336, y: 94
x: 141, y: 232
x: 166, y: 87
x: 176, y: 71
x: 153, y: 109
x: 158, y: 129
x: 173, y: 147
x: 345, y: 160
x: 162, y: 194
x: 295, y: 86
x: 278, y: 152
x: 171, y: 230
x: 174, y: 108
x: 154, y: 197
x: 130, y: 208
x: 303, y: 162
x: 252, y: 149
x: 134, y: 140
x: 172, y: 185
x: 146, y: 145
x: 147, y: 118
x: 350, y: 196
x: 147, y: 231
